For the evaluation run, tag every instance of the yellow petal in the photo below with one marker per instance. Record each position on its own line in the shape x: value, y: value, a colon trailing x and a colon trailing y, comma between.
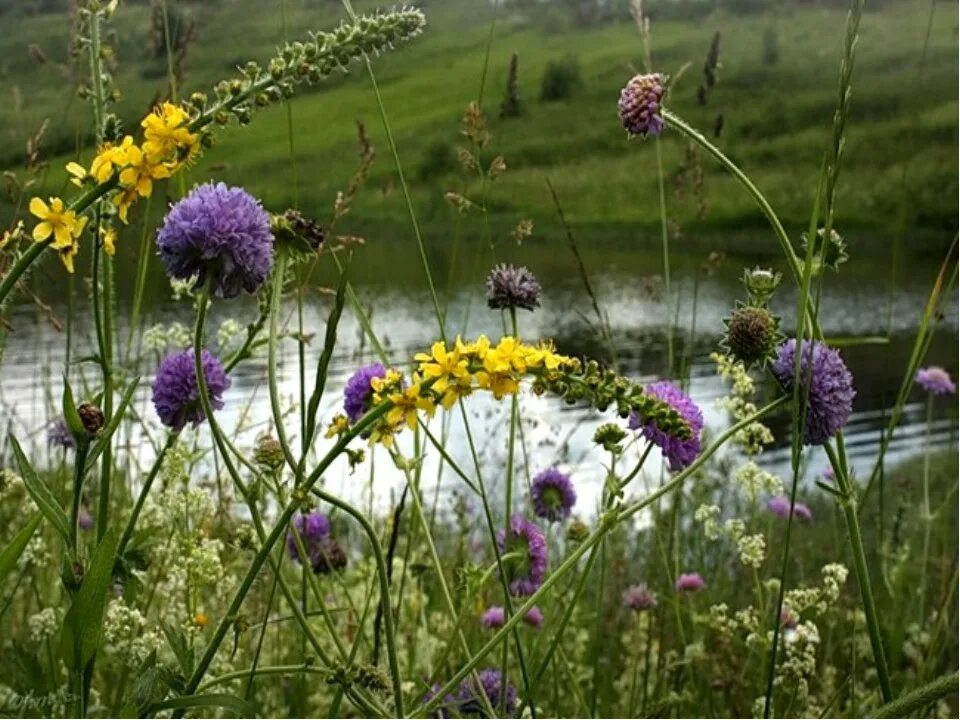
x: 42, y: 231
x: 39, y: 208
x: 62, y: 237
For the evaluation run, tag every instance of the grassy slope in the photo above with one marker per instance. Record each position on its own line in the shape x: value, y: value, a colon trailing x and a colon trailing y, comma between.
x: 777, y: 118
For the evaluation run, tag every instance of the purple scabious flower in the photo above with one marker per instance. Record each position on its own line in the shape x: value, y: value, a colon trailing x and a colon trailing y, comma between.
x: 639, y: 598
x: 525, y: 573
x: 509, y: 286
x: 936, y: 380
x: 639, y: 105
x: 357, y: 392
x: 553, y: 495
x: 690, y: 582
x: 176, y: 395
x: 493, y: 618
x: 59, y: 435
x: 830, y: 395
x: 493, y: 685
x: 448, y: 703
x: 780, y: 506
x: 534, y: 617
x: 219, y: 232
x: 678, y: 452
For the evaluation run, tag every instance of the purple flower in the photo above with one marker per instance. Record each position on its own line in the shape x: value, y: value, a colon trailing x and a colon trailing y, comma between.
x: 493, y: 618
x: 357, y: 392
x: 322, y: 549
x: 526, y: 572
x: 830, y: 395
x: 639, y: 597
x: 534, y: 617
x: 936, y: 380
x: 553, y: 495
x: 509, y: 286
x: 59, y: 435
x: 85, y: 520
x: 639, y: 105
x: 449, y: 702
x: 788, y: 619
x: 493, y: 685
x: 780, y: 506
x: 218, y: 232
x: 690, y: 582
x: 678, y: 452
x: 176, y: 395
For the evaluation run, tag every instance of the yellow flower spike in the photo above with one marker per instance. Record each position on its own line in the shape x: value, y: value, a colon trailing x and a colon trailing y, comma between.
x: 442, y: 366
x: 77, y: 172
x: 140, y: 172
x: 167, y: 134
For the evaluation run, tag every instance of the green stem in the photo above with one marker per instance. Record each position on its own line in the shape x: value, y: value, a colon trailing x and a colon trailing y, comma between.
x: 79, y: 472
x: 665, y: 244
x: 927, y: 516
x: 145, y: 491
x: 923, y: 697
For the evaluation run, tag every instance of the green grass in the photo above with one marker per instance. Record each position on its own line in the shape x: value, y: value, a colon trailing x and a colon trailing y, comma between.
x: 776, y: 119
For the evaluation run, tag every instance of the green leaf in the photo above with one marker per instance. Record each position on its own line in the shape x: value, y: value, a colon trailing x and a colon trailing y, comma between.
x: 238, y: 706
x: 11, y: 553
x: 181, y: 648
x: 103, y: 439
x: 70, y: 414
x: 81, y: 626
x: 41, y: 494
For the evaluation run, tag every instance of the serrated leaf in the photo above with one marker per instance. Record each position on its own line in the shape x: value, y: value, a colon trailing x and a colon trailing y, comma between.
x: 181, y: 648
x: 237, y: 705
x: 80, y: 635
x: 14, y: 549
x: 41, y: 494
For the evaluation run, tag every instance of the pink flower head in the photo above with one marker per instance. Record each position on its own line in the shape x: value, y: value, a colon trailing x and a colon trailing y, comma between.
x: 690, y: 582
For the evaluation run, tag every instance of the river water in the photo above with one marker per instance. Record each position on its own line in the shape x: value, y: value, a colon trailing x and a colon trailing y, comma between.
x: 856, y: 307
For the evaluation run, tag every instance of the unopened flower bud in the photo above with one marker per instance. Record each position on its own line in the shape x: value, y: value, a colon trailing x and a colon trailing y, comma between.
x: 92, y: 418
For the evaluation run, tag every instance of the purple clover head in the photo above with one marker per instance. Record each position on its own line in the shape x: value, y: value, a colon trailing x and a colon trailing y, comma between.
x: 639, y: 598
x: 357, y: 393
x: 678, y: 452
x: 534, y: 617
x: 780, y: 506
x: 493, y: 685
x: 219, y: 233
x: 509, y: 286
x: 936, y: 380
x: 176, y: 395
x: 690, y: 582
x: 830, y: 395
x: 553, y: 495
x: 639, y: 106
x: 493, y: 618
x: 526, y: 572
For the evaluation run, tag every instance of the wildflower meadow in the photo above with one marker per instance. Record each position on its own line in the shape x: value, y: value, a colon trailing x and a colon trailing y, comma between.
x: 478, y: 359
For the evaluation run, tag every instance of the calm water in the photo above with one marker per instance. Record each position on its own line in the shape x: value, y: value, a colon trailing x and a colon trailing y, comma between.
x: 854, y: 306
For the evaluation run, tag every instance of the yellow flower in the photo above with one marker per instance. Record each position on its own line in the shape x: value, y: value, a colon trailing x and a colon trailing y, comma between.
x: 546, y: 357
x: 458, y: 388
x: 499, y: 384
x: 168, y: 137
x: 78, y: 173
x: 406, y: 404
x: 124, y: 200
x: 109, y: 236
x: 509, y: 355
x: 67, y: 254
x: 110, y: 158
x: 477, y: 349
x: 140, y: 172
x: 387, y: 382
x: 442, y: 366
x: 339, y: 425
x: 200, y: 620
x: 55, y: 220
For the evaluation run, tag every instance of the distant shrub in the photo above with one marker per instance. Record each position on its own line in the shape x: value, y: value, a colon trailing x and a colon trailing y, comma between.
x: 511, y: 105
x: 439, y: 159
x: 771, y: 46
x: 561, y: 79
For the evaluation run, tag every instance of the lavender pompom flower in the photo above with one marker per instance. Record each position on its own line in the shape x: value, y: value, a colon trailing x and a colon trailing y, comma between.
x: 830, y: 395
x: 780, y: 506
x: 358, y: 392
x: 678, y: 452
x: 494, y: 687
x: 639, y: 598
x: 218, y: 233
x: 534, y: 617
x: 447, y: 703
x: 526, y: 572
x: 176, y: 395
x: 553, y: 495
x: 639, y: 105
x: 690, y: 582
x: 323, y: 551
x: 936, y: 380
x: 509, y: 286
x: 59, y: 435
x: 493, y: 618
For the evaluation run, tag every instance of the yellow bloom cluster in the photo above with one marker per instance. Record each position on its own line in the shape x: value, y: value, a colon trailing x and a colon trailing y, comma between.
x: 444, y: 375
x: 167, y: 146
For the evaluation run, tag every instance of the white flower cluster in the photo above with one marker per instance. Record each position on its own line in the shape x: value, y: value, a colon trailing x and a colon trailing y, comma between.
x: 818, y: 599
x: 43, y: 625
x: 754, y: 480
x: 800, y: 663
x: 125, y: 634
x: 229, y: 329
x: 751, y: 549
x: 756, y: 435
x: 34, y: 554
x: 708, y: 516
x: 162, y: 338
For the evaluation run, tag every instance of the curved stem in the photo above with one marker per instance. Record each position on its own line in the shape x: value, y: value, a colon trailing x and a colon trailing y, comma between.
x: 276, y: 292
